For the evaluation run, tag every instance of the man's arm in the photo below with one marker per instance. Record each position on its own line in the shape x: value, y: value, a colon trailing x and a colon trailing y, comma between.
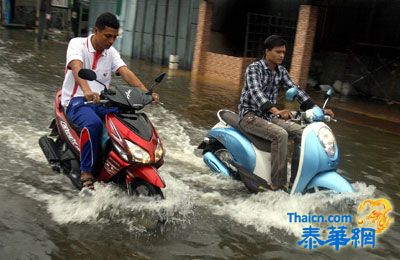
x: 75, y: 66
x: 130, y: 78
x: 302, y: 97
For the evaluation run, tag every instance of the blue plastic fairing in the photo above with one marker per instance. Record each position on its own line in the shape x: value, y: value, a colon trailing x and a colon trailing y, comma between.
x: 315, y: 160
x: 239, y: 146
x: 331, y: 180
x: 215, y: 164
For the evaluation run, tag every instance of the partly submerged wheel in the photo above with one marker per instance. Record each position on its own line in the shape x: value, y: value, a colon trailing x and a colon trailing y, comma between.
x: 140, y: 187
x: 226, y: 158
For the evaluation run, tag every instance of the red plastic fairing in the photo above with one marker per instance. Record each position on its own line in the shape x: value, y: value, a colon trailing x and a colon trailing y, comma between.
x: 63, y: 126
x: 147, y: 173
x: 112, y: 166
x: 125, y: 133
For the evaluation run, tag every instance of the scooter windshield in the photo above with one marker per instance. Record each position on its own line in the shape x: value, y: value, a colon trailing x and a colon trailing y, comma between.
x: 130, y: 97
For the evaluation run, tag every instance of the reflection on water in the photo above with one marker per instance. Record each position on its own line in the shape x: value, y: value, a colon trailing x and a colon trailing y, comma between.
x: 206, y: 216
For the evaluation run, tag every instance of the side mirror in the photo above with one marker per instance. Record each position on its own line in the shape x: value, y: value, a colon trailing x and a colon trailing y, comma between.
x: 160, y: 77
x: 291, y: 94
x: 329, y: 93
x: 87, y: 74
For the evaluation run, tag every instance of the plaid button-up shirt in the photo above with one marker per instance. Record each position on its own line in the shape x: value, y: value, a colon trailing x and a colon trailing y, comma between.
x: 261, y: 87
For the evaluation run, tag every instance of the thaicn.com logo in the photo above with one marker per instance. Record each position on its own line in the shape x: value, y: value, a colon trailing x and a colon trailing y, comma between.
x: 371, y: 221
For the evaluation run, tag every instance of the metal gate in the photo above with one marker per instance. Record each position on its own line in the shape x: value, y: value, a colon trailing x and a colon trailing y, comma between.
x: 260, y: 26
x: 164, y: 27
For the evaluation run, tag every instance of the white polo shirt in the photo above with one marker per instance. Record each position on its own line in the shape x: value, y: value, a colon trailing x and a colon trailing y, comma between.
x: 103, y: 64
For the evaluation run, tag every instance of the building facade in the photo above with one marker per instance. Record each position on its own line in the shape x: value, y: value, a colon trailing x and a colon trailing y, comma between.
x: 354, y: 41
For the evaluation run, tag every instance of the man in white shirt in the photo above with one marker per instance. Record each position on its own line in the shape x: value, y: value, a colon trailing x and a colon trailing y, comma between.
x: 93, y: 52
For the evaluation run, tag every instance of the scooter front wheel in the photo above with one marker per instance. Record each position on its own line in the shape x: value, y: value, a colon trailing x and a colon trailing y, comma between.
x: 140, y: 187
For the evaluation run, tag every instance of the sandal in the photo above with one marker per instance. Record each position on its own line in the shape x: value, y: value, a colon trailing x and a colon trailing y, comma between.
x: 88, y: 183
x: 282, y: 188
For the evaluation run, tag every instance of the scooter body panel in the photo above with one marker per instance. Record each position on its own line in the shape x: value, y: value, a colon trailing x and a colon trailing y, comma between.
x: 148, y: 173
x: 330, y: 180
x: 215, y: 164
x: 239, y: 146
x: 313, y: 158
x: 124, y: 132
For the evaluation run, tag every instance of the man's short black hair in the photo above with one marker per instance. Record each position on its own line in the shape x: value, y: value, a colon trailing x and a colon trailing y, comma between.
x: 107, y: 19
x: 274, y: 41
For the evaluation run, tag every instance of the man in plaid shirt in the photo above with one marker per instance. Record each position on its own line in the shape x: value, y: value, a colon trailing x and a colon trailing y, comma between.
x: 259, y: 113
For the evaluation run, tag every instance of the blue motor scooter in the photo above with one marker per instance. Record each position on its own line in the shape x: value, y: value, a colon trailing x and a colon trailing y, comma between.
x: 229, y: 151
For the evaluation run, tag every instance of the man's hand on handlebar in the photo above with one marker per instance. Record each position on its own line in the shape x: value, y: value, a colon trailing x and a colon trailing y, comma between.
x: 92, y: 96
x: 284, y: 114
x: 329, y: 112
x: 156, y: 97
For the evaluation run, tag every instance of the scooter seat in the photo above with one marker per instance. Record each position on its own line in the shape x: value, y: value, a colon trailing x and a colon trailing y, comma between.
x: 232, y: 119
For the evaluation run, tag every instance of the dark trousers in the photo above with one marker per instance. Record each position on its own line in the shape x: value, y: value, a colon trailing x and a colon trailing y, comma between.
x: 89, y: 118
x: 278, y: 131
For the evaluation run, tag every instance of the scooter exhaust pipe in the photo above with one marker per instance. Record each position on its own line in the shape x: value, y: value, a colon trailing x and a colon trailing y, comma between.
x: 49, y: 149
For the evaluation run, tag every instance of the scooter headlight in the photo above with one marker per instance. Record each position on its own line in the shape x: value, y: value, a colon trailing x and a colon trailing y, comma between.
x: 159, y: 153
x: 138, y: 154
x: 328, y: 141
x: 121, y: 152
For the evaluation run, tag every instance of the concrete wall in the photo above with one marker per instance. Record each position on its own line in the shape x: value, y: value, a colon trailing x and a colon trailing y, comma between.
x: 127, y: 20
x: 98, y: 7
x: 164, y: 27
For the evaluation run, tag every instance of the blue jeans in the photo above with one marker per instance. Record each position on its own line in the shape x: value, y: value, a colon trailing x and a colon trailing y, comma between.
x: 89, y: 118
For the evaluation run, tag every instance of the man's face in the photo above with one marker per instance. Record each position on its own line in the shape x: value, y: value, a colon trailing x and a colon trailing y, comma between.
x: 276, y: 54
x: 105, y: 38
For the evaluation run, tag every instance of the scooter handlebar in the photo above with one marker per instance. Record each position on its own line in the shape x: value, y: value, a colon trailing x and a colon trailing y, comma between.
x: 102, y: 101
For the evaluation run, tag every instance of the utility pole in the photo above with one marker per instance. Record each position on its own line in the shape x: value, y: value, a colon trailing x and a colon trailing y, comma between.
x: 41, y: 15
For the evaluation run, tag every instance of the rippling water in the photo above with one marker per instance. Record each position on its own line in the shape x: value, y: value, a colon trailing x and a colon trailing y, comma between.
x: 209, y: 217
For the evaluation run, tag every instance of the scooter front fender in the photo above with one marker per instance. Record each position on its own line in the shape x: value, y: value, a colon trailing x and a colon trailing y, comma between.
x: 330, y: 180
x: 148, y: 173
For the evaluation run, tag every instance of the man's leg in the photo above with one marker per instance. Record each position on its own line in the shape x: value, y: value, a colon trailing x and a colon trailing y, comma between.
x: 92, y: 127
x: 260, y: 127
x: 295, y: 131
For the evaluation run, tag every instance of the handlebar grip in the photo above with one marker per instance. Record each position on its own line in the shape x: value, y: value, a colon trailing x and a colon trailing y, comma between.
x: 102, y: 101
x: 329, y: 118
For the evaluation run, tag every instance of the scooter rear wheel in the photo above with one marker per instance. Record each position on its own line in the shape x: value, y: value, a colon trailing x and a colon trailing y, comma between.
x: 226, y: 158
x: 140, y: 187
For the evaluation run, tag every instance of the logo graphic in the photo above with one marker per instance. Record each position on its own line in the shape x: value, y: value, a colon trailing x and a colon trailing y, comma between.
x: 378, y: 217
x: 69, y: 135
x: 372, y: 219
x: 128, y: 94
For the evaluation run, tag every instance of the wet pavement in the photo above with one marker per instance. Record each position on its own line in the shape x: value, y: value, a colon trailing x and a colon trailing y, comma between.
x: 207, y: 217
x: 367, y: 112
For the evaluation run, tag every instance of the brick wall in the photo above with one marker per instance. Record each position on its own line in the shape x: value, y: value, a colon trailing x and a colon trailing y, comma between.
x: 204, y: 21
x: 303, y: 44
x: 224, y: 67
x: 231, y: 69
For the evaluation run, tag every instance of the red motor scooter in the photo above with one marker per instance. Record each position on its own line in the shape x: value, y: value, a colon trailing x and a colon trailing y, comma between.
x: 131, y: 150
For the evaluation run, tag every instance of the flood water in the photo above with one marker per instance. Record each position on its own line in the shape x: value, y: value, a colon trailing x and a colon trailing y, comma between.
x: 207, y: 217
